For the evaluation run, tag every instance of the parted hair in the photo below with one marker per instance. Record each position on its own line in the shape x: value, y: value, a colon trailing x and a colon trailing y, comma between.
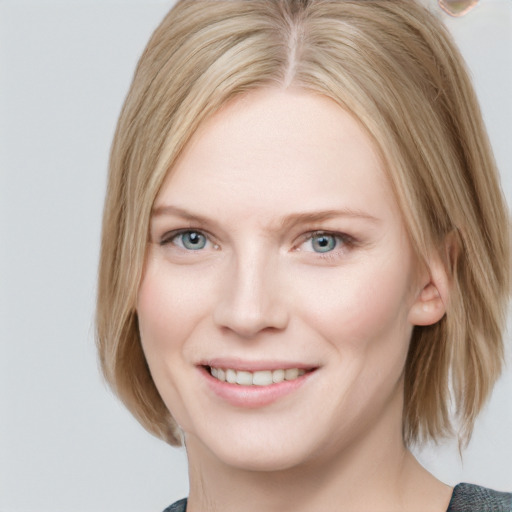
x: 394, y: 67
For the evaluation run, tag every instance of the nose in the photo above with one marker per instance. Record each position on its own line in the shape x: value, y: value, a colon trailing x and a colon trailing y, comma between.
x: 251, y: 299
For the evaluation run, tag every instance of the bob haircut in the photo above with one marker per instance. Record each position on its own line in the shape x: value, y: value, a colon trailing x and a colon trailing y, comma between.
x: 394, y: 67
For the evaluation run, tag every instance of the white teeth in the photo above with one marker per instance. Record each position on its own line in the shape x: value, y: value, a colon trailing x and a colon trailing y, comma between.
x: 277, y: 376
x: 244, y: 378
x: 231, y: 376
x: 291, y: 373
x: 259, y: 378
x: 262, y: 378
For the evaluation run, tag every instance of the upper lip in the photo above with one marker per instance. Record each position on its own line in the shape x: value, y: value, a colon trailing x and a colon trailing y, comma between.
x: 254, y: 366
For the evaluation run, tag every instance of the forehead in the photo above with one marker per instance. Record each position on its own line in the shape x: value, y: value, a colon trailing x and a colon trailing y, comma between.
x: 273, y: 150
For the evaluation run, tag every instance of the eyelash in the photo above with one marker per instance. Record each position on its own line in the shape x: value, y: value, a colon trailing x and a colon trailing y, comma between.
x: 346, y: 241
x: 343, y: 242
x: 170, y: 237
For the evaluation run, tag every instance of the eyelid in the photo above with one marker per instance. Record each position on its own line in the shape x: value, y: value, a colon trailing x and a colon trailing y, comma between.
x: 346, y: 242
x: 169, y: 236
x: 324, y: 232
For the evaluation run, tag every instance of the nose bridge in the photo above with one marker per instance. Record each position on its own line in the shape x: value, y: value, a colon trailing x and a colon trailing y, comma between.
x: 251, y: 298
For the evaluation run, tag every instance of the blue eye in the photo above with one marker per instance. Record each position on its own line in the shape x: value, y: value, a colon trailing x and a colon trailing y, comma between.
x: 323, y: 242
x: 191, y: 240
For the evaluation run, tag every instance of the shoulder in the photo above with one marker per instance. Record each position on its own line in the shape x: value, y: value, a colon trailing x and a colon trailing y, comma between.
x: 473, y: 498
x: 465, y: 498
x: 179, y: 506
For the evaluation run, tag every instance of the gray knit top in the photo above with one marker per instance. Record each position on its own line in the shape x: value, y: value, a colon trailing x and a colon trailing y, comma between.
x: 465, y: 498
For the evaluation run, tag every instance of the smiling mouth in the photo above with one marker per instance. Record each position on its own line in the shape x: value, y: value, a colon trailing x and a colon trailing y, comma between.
x: 257, y: 378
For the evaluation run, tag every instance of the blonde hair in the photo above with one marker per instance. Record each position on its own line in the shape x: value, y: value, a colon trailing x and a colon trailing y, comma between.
x: 396, y: 69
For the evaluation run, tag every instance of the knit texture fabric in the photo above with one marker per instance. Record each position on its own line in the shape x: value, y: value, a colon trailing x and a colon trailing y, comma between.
x: 179, y: 506
x: 465, y: 498
x: 473, y: 498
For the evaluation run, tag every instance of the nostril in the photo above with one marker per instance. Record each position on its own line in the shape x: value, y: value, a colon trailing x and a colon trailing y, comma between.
x: 249, y: 322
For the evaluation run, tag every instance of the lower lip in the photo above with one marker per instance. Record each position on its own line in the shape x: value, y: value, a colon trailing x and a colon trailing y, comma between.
x: 252, y: 397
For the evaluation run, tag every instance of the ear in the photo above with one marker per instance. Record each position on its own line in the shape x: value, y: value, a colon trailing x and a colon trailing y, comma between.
x: 434, y: 290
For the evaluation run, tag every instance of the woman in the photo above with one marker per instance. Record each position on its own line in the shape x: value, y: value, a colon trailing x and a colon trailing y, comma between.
x: 305, y: 254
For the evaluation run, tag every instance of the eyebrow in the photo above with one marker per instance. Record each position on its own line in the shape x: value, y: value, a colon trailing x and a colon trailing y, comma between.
x: 318, y: 216
x: 286, y: 222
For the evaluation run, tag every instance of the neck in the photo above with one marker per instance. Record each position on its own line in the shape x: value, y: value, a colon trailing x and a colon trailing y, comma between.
x: 375, y: 472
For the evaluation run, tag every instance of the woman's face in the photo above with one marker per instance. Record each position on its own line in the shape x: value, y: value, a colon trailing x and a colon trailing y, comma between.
x: 275, y: 306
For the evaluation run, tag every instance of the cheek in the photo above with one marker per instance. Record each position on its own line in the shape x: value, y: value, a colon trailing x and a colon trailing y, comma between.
x: 169, y: 308
x: 364, y: 321
x: 170, y: 304
x: 363, y: 311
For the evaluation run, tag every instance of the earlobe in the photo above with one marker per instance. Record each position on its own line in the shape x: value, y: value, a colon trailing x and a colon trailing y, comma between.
x: 428, y: 308
x: 431, y: 302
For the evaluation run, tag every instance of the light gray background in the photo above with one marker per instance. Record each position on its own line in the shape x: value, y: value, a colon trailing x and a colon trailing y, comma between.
x: 65, y: 443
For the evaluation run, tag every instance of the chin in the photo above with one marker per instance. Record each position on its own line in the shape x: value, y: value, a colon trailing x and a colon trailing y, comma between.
x: 253, y: 454
x: 262, y: 460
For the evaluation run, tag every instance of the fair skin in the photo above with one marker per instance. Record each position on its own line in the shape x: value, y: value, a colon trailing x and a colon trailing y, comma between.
x: 276, y: 244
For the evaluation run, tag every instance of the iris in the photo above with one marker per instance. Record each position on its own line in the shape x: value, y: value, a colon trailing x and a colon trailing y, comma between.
x: 192, y: 240
x: 323, y: 243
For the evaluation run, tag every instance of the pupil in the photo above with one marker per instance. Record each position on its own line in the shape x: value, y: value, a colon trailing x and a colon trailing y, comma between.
x: 324, y: 243
x: 193, y: 240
